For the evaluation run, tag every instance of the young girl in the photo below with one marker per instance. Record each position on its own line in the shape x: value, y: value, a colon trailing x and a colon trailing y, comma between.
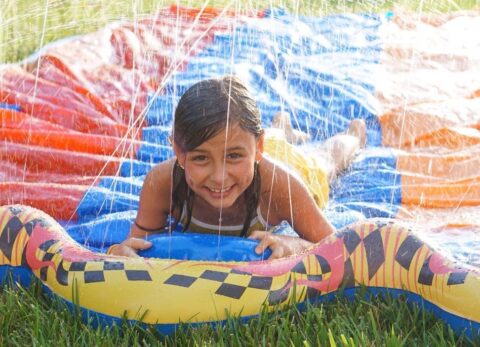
x: 225, y: 179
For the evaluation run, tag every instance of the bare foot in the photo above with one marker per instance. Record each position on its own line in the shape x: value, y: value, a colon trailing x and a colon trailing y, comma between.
x: 358, y: 129
x: 281, y: 120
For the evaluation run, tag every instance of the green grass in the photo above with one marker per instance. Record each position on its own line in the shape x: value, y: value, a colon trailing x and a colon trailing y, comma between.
x: 29, y: 317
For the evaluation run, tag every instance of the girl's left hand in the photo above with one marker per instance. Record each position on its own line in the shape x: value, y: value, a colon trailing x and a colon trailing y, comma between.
x: 281, y: 245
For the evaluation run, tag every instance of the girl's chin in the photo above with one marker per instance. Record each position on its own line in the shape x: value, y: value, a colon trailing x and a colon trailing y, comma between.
x: 221, y: 203
x: 221, y: 207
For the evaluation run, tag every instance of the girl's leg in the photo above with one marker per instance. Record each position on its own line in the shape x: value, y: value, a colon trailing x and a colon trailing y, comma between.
x: 337, y: 152
x: 341, y: 148
x: 281, y: 120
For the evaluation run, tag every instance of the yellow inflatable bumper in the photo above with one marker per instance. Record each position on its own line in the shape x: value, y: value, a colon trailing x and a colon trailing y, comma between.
x: 377, y: 253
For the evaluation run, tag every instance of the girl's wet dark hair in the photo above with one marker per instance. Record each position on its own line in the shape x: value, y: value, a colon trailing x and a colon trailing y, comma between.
x: 202, y: 112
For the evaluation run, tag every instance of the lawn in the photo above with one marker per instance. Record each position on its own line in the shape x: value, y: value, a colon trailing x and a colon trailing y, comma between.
x: 29, y: 317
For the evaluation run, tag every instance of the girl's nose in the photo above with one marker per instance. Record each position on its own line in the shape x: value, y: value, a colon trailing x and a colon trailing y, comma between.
x: 218, y: 173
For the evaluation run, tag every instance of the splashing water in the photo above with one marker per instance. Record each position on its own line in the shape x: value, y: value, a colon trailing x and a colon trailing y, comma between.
x: 85, y: 118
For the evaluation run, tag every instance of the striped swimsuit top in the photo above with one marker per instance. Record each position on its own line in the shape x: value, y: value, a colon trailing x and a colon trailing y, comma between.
x: 257, y: 223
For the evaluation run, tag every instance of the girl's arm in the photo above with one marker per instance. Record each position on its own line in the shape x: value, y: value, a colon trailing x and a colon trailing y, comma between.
x: 154, y: 207
x: 290, y: 200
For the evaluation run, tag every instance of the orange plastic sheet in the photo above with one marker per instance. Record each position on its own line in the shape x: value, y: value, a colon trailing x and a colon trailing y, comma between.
x: 429, y: 109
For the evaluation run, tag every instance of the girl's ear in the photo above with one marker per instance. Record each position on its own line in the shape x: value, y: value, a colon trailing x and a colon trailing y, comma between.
x: 259, y: 151
x: 181, y: 156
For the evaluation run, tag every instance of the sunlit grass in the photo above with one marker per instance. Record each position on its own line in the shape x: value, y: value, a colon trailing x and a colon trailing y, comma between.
x: 31, y: 318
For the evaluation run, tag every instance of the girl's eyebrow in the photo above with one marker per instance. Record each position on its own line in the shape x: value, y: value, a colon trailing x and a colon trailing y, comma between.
x: 235, y: 148
x: 229, y: 149
x: 199, y: 150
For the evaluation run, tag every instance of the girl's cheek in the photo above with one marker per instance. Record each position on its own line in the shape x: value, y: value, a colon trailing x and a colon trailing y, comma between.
x: 248, y: 177
x: 190, y: 181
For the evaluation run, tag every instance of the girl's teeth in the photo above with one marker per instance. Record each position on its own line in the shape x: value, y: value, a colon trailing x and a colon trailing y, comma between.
x: 219, y: 190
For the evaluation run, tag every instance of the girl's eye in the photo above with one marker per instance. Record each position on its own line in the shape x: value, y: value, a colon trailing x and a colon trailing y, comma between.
x: 199, y: 158
x: 234, y: 156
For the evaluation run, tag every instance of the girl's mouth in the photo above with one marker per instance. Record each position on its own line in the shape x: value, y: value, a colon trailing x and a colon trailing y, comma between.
x: 220, y: 191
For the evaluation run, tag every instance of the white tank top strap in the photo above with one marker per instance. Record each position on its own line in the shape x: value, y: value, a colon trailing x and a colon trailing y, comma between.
x: 261, y: 219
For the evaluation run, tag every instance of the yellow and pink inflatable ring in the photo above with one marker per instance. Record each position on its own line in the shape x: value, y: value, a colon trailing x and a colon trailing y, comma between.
x: 379, y: 254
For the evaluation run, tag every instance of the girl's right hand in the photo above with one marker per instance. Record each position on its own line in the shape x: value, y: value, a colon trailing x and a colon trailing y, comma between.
x: 281, y: 245
x: 129, y: 247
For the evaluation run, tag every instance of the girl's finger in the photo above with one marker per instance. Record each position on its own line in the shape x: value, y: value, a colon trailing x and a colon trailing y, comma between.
x: 136, y: 243
x: 128, y: 252
x: 265, y: 242
x: 277, y: 253
x: 258, y: 235
x: 122, y: 250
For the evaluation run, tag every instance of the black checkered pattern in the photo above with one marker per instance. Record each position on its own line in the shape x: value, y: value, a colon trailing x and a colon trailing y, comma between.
x: 95, y: 274
x: 236, y: 291
x: 49, y: 249
x: 231, y: 290
x: 98, y: 275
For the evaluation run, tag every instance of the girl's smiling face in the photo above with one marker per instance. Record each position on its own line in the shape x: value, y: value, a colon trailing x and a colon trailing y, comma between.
x: 221, y: 168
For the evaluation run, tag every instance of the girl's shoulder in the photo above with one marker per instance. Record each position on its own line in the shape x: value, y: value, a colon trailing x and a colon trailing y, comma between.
x: 154, y: 204
x: 163, y: 169
x: 160, y: 176
x: 280, y: 188
x: 276, y: 175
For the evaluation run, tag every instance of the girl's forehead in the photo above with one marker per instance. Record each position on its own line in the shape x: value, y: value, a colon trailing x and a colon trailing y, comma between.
x: 232, y: 135
x: 235, y: 131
